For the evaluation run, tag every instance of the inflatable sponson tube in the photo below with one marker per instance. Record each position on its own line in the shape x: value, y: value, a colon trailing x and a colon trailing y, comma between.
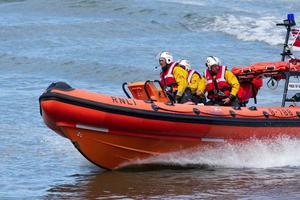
x: 59, y: 86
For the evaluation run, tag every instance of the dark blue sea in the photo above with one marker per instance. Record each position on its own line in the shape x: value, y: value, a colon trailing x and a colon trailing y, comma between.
x: 99, y: 44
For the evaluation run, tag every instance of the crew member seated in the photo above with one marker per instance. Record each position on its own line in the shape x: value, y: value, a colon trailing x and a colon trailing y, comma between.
x: 173, y: 78
x: 193, y: 80
x: 220, y: 84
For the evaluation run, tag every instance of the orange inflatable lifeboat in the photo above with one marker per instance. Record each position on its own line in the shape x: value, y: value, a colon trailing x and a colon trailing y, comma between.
x: 115, y: 131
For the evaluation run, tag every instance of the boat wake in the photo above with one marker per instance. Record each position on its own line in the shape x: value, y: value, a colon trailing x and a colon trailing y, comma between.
x: 281, y: 152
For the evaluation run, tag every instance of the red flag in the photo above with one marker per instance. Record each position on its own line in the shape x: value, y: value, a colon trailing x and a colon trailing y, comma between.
x: 296, y: 35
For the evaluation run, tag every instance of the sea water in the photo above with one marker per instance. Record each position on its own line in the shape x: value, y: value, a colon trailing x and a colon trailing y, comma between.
x: 99, y: 44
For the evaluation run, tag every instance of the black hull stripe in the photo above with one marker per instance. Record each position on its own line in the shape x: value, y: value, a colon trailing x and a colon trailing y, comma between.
x: 156, y: 115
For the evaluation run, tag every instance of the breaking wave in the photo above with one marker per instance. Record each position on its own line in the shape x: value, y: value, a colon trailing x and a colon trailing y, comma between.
x: 262, y: 29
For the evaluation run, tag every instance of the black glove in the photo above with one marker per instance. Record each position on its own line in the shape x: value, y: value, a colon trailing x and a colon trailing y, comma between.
x: 178, y: 99
x: 231, y: 97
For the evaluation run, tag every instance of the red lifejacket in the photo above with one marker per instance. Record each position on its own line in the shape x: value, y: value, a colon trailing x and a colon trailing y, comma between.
x: 249, y: 89
x: 167, y: 77
x: 190, y: 75
x: 220, y: 82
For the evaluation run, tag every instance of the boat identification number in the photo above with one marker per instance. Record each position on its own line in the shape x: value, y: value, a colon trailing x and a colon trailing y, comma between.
x: 281, y: 112
x: 124, y: 101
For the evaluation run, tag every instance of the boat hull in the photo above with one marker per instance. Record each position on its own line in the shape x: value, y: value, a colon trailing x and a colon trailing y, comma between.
x: 113, y: 151
x: 113, y: 131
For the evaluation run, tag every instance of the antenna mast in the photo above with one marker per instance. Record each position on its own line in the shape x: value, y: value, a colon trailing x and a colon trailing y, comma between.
x: 288, y: 23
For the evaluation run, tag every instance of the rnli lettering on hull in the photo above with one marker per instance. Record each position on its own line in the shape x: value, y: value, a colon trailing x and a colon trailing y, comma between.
x: 124, y: 101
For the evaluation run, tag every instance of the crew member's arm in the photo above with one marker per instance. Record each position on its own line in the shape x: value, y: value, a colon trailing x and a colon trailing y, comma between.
x: 235, y: 85
x: 233, y: 82
x: 194, y: 83
x: 180, y: 76
x: 201, y: 87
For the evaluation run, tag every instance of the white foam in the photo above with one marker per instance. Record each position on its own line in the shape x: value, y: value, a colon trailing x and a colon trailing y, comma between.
x: 279, y: 152
x: 251, y: 29
x: 262, y: 29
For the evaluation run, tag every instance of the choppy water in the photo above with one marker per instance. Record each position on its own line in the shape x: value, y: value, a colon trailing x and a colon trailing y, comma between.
x: 97, y: 45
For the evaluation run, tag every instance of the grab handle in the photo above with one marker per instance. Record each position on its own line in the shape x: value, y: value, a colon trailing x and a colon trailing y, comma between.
x: 124, y: 89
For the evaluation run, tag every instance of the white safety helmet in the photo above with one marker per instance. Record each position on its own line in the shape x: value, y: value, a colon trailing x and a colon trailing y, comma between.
x: 186, y: 64
x: 167, y: 56
x: 212, y: 60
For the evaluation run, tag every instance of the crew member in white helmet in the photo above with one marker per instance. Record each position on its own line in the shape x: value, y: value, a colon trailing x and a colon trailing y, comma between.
x: 193, y: 80
x: 220, y: 84
x: 173, y: 77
